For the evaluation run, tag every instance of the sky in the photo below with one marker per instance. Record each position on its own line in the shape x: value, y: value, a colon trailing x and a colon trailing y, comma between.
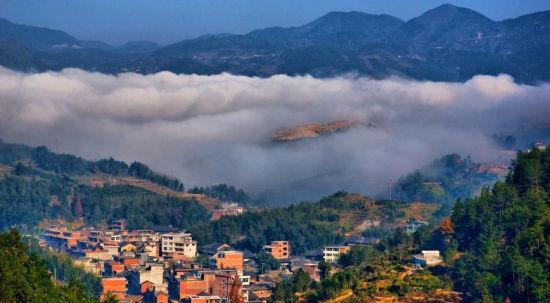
x: 168, y: 21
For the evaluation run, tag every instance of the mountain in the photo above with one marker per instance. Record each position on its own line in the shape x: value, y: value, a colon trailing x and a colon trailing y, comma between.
x: 447, y: 43
x: 137, y: 47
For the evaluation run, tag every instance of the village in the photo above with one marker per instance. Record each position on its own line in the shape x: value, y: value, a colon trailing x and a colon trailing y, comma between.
x: 166, y: 265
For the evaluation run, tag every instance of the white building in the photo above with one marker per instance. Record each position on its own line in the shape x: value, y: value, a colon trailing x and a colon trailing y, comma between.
x: 331, y: 253
x: 180, y: 243
x: 427, y: 258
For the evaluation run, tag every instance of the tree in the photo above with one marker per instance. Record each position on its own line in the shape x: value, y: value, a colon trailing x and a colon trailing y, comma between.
x: 324, y: 269
x: 266, y: 262
x: 301, y: 280
x: 110, y: 298
x: 25, y: 278
x: 235, y: 295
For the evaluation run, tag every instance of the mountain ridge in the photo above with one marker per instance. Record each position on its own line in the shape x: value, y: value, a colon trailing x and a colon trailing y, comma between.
x: 446, y: 43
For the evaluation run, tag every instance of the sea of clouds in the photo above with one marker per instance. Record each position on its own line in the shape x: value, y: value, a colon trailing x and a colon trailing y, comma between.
x: 218, y: 129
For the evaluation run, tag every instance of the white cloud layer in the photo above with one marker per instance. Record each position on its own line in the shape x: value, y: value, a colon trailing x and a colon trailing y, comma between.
x: 217, y: 129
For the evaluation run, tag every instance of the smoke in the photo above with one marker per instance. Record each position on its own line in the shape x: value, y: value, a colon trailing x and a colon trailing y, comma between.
x: 218, y: 129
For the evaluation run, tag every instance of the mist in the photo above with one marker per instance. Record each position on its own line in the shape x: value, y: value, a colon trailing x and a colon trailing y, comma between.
x: 218, y: 129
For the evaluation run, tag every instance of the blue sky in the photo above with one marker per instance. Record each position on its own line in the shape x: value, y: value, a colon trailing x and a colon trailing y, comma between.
x: 166, y: 21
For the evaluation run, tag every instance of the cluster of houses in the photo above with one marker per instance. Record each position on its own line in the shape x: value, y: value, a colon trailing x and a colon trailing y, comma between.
x: 163, y: 265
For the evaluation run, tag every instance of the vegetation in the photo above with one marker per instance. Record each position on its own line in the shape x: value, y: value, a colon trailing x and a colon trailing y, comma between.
x: 140, y: 170
x: 306, y: 225
x: 66, y: 164
x: 448, y: 178
x: 28, y: 196
x: 141, y: 208
x: 265, y: 262
x: 25, y: 278
x: 63, y: 267
x: 504, y: 235
x: 223, y: 192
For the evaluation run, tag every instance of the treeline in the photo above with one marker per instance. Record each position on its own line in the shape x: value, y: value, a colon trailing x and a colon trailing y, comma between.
x: 26, y: 200
x: 504, y: 235
x: 28, y: 196
x: 66, y: 164
x: 141, y: 208
x: 25, y: 278
x: 448, y: 178
x: 223, y: 192
x: 306, y: 225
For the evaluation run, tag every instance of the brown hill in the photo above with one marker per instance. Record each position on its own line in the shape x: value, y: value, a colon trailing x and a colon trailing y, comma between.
x: 312, y: 130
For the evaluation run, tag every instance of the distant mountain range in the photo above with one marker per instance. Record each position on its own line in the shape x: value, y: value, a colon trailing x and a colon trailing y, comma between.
x: 447, y: 43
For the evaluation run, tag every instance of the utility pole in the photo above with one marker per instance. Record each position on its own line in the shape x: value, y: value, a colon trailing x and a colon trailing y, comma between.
x: 56, y: 144
x: 390, y: 183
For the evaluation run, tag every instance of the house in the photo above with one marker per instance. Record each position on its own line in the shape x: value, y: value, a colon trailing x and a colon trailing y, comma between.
x: 230, y: 259
x: 118, y: 225
x: 260, y: 292
x: 112, y: 268
x: 203, y: 299
x: 178, y: 243
x: 61, y: 239
x: 146, y: 286
x: 188, y: 285
x: 212, y: 248
x: 414, y: 225
x: 152, y: 273
x: 278, y: 249
x: 115, y: 286
x: 427, y: 258
x: 361, y: 240
x: 331, y: 253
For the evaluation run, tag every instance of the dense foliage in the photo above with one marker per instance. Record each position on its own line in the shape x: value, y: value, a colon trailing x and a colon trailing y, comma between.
x: 445, y: 180
x: 141, y: 208
x: 64, y: 269
x: 29, y: 196
x: 27, y: 199
x: 66, y: 164
x: 505, y: 236
x: 306, y: 225
x: 25, y: 278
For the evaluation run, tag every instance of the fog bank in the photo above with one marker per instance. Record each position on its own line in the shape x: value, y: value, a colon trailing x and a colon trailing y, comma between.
x: 218, y: 129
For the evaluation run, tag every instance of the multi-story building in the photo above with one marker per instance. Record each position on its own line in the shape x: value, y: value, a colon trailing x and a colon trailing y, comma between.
x: 62, y: 239
x: 331, y: 253
x: 278, y: 249
x: 118, y: 225
x: 228, y: 260
x: 152, y: 273
x: 178, y: 243
x: 115, y: 286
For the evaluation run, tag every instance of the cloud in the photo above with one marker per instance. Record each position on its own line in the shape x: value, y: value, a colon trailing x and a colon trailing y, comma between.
x: 217, y: 129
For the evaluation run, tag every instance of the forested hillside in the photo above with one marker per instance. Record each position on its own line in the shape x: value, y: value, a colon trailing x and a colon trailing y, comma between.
x: 448, y: 178
x: 65, y: 164
x: 25, y: 278
x: 38, y: 185
x: 504, y: 235
x: 306, y: 225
